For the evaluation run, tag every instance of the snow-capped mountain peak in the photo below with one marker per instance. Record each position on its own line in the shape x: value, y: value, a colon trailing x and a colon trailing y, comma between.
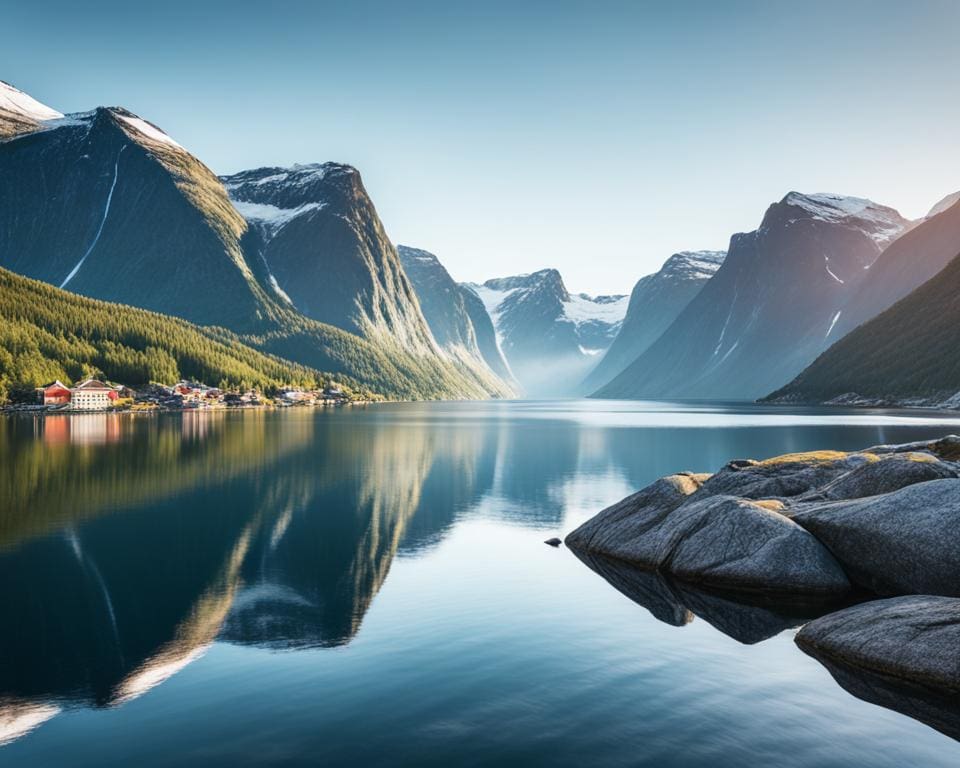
x: 16, y: 101
x: 880, y: 222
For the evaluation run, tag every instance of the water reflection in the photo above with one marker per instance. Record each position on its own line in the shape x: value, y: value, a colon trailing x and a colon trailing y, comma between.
x: 128, y: 545
x: 747, y: 618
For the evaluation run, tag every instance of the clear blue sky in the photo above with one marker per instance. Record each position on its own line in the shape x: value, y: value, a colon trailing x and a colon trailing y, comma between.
x: 596, y: 137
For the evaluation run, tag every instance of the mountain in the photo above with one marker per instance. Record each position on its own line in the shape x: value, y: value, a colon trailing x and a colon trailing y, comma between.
x: 771, y: 307
x: 655, y: 302
x: 549, y: 336
x: 457, y: 318
x: 49, y: 334
x: 908, y: 354
x: 908, y: 263
x: 107, y: 205
x: 21, y: 113
x: 325, y: 252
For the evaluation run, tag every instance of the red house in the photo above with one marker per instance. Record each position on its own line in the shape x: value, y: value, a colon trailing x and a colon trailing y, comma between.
x: 55, y: 393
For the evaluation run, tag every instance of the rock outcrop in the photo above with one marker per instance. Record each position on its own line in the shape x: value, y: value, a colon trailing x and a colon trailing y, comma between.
x: 884, y: 519
x: 899, y: 653
x: 717, y: 540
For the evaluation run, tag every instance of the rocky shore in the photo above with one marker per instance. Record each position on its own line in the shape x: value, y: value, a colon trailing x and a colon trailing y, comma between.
x: 861, y: 548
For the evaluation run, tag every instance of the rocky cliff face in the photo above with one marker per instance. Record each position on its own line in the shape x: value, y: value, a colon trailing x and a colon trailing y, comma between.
x: 655, y: 302
x: 454, y: 314
x: 550, y: 337
x: 773, y: 305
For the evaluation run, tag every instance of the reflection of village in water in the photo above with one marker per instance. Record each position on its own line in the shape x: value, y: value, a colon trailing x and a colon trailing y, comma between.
x: 293, y: 521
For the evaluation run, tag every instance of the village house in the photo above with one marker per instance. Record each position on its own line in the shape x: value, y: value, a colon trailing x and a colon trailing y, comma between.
x: 92, y: 395
x: 54, y: 393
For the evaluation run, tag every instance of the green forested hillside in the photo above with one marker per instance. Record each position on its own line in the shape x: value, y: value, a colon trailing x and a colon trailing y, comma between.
x: 47, y: 333
x: 910, y: 351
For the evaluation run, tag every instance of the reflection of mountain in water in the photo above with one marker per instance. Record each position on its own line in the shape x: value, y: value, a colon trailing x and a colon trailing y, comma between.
x: 270, y: 531
x: 316, y: 566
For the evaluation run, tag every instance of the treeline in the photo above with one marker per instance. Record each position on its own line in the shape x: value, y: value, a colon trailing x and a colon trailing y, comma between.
x: 47, y: 334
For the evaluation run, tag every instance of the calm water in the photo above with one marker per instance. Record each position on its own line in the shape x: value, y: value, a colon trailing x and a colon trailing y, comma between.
x: 369, y: 587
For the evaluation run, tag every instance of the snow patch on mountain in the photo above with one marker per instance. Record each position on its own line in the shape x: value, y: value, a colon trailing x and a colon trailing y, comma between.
x: 103, y: 220
x: 272, y: 217
x: 582, y: 308
x: 147, y: 129
x: 14, y: 100
x: 833, y: 323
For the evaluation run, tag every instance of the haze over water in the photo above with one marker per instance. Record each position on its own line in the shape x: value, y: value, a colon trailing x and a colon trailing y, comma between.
x: 369, y: 586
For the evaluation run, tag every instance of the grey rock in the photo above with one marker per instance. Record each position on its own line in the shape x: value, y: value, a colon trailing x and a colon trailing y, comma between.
x: 891, y: 473
x: 899, y: 653
x: 554, y: 542
x: 622, y: 529
x: 904, y: 542
x: 738, y: 544
x: 783, y: 476
x: 719, y: 541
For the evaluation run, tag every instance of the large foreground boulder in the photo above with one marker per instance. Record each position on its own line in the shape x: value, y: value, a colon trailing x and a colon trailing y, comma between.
x: 886, y: 519
x: 904, y: 542
x: 900, y: 653
x: 718, y: 541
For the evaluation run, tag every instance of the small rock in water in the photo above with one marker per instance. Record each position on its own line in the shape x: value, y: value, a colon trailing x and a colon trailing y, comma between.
x: 554, y: 542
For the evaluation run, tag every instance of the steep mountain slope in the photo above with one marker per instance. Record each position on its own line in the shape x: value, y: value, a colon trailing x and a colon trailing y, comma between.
x: 315, y: 223
x: 909, y: 353
x: 771, y: 307
x: 445, y: 306
x: 549, y: 336
x: 906, y: 264
x: 107, y: 205
x: 655, y: 302
x: 47, y: 334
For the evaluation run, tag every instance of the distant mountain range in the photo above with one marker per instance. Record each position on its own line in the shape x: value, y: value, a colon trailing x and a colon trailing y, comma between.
x: 549, y: 336
x: 772, y: 306
x: 655, y: 302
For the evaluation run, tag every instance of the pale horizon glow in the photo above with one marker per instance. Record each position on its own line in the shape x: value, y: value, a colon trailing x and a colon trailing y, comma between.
x: 596, y: 138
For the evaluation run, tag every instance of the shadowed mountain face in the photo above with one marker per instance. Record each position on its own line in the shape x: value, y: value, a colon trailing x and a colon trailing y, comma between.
x: 105, y: 205
x: 549, y: 336
x: 325, y: 251
x: 909, y: 353
x: 772, y: 306
x: 908, y: 263
x: 655, y: 302
x: 457, y: 318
